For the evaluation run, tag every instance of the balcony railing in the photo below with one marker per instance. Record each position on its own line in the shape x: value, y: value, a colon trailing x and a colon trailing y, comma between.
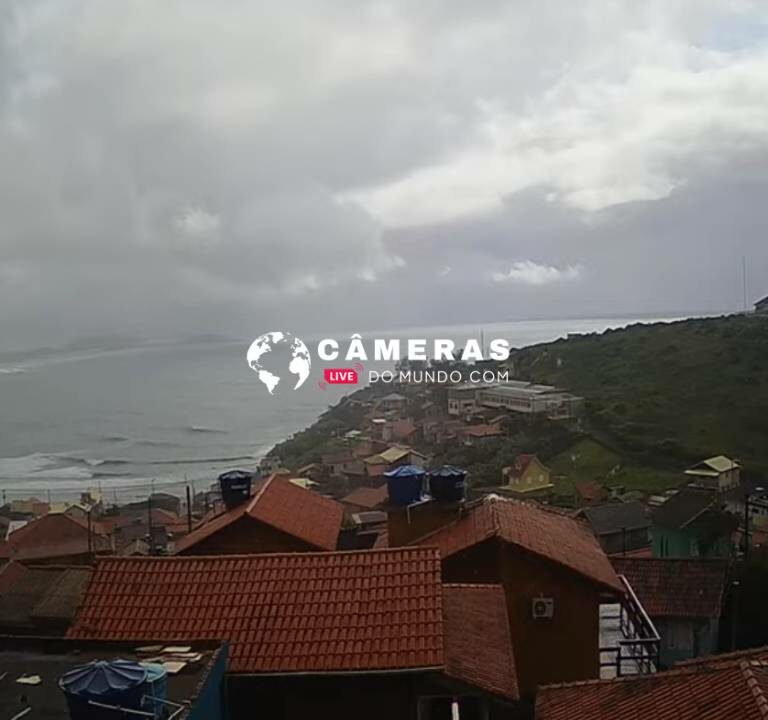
x: 635, y: 644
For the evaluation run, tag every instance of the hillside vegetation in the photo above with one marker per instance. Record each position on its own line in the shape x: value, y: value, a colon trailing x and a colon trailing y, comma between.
x: 668, y: 392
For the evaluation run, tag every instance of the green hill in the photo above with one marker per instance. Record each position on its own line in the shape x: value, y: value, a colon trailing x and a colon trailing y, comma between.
x: 668, y: 392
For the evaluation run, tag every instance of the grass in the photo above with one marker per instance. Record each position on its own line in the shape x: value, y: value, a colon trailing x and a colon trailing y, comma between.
x: 668, y: 394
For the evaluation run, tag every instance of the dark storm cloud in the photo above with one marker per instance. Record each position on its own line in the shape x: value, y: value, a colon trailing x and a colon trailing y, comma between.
x: 184, y: 167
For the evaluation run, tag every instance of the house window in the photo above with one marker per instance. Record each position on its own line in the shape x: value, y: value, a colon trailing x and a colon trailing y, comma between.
x: 694, y: 548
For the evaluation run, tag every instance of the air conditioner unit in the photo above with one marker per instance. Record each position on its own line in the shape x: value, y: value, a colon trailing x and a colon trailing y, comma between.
x: 543, y: 608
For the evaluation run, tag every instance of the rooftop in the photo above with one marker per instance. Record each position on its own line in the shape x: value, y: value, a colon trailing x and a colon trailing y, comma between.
x: 615, y: 517
x: 676, y: 587
x: 482, y: 430
x: 367, y: 497
x: 358, y: 611
x: 714, y: 465
x: 683, y: 508
x: 30, y: 595
x: 539, y: 530
x: 282, y: 505
x: 729, y: 687
x: 52, y: 657
x: 53, y: 535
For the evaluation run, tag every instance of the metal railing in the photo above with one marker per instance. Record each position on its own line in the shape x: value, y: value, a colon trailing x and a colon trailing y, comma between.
x: 637, y: 650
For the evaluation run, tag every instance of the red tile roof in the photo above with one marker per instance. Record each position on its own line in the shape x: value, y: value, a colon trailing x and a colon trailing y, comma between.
x: 482, y: 430
x: 367, y: 497
x: 672, y: 587
x: 551, y: 535
x: 731, y: 687
x: 473, y: 650
x: 282, y: 505
x: 305, y: 612
x: 590, y: 491
x: 53, y: 535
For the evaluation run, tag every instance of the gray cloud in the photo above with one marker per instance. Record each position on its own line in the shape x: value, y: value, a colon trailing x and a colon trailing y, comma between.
x: 178, y: 167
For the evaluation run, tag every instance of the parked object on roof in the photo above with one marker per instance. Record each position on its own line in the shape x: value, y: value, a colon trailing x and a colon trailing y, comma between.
x: 235, y: 487
x: 156, y: 688
x: 620, y: 527
x: 447, y: 484
x: 195, y: 694
x: 117, y: 683
x: 280, y: 517
x: 726, y: 687
x: 405, y: 484
x: 684, y: 599
x: 451, y: 640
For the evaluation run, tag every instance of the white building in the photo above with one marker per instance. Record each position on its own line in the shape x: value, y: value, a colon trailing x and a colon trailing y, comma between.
x: 524, y: 397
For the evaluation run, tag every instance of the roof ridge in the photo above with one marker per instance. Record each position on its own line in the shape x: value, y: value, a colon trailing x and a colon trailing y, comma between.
x: 250, y: 556
x: 259, y: 493
x: 724, y: 657
x: 677, y: 671
x: 753, y: 685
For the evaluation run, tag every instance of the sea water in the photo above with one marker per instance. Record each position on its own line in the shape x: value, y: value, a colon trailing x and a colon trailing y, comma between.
x: 125, y: 421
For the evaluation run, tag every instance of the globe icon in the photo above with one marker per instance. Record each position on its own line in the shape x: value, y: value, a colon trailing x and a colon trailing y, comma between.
x: 276, y: 353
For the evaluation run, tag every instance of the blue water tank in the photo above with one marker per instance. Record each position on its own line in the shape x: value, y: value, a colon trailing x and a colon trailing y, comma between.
x: 120, y: 683
x: 447, y: 484
x: 405, y: 484
x: 156, y: 688
x: 235, y: 487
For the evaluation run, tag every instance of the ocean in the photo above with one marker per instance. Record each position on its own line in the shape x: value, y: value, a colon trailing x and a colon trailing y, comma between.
x: 125, y: 421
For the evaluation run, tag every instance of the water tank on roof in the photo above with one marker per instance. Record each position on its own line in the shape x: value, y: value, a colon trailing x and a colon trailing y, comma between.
x: 119, y: 683
x: 156, y: 689
x: 405, y: 484
x: 447, y: 484
x: 235, y: 487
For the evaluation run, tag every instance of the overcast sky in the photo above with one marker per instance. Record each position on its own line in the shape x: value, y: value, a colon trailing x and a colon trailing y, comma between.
x: 190, y: 167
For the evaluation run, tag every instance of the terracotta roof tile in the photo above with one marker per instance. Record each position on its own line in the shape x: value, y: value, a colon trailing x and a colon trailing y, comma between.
x: 475, y: 649
x: 676, y: 587
x: 50, y: 536
x: 287, y: 507
x: 551, y: 535
x: 295, y: 612
x: 731, y: 687
x: 367, y: 497
x: 45, y: 592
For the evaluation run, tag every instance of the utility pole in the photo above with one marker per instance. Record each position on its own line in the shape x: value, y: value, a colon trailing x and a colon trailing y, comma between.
x: 744, y: 280
x: 189, y: 510
x: 90, y: 536
x: 149, y: 525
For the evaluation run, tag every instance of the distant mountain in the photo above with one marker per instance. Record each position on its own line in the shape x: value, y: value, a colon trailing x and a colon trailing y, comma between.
x: 669, y: 391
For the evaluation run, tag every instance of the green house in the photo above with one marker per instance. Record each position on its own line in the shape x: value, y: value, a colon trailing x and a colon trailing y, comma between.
x: 692, y: 523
